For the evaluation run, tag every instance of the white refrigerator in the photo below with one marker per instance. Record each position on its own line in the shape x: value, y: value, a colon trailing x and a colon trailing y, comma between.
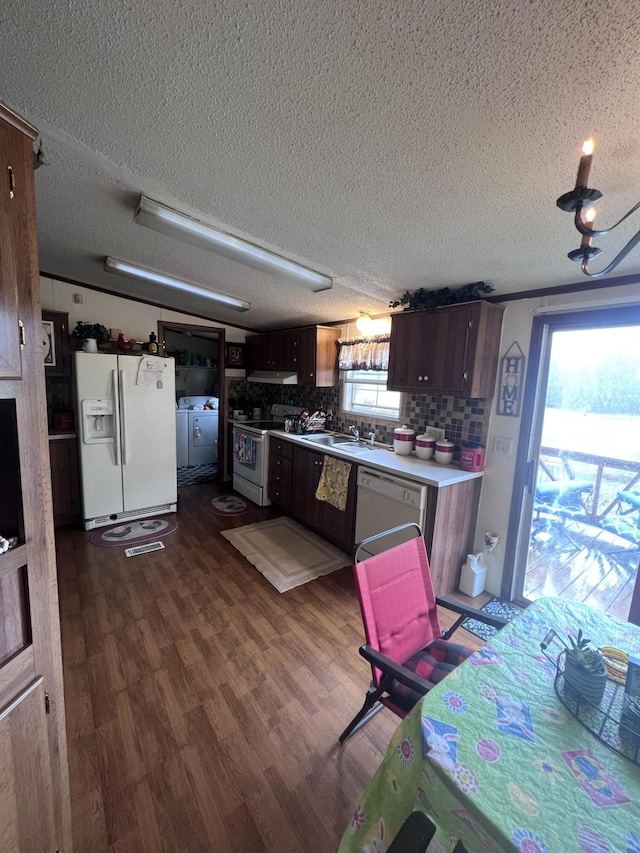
x: 127, y: 436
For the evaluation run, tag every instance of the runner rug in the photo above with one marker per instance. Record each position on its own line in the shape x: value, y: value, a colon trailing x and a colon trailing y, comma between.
x: 493, y: 607
x: 133, y: 532
x: 286, y: 553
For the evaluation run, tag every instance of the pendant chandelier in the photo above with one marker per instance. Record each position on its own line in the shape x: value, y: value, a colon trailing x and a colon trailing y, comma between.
x: 581, y: 201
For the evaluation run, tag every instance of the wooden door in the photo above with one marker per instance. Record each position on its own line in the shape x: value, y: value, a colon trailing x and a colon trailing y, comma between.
x: 34, y: 803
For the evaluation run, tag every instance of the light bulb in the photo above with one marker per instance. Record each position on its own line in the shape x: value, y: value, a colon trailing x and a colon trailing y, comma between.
x: 588, y: 146
x: 364, y: 323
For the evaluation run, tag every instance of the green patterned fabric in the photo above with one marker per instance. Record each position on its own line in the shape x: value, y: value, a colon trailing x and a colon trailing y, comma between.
x: 497, y: 761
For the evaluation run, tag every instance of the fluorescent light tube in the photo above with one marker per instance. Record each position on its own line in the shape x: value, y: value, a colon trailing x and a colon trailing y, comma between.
x: 141, y: 274
x: 167, y: 221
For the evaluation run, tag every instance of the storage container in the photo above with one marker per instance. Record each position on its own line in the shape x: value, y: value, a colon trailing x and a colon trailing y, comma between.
x: 472, y: 457
x: 425, y: 445
x: 472, y: 575
x: 403, y: 438
x: 444, y: 451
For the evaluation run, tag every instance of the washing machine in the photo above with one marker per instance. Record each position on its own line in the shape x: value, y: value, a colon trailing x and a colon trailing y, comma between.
x: 196, y: 431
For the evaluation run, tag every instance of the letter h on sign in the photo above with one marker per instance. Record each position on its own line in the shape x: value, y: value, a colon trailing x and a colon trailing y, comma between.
x: 511, y: 381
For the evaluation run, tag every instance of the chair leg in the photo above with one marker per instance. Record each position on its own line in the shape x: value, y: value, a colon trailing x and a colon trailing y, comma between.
x: 367, y: 712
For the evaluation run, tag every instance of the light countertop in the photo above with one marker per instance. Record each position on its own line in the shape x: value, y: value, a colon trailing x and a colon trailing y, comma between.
x: 381, y: 458
x: 56, y: 436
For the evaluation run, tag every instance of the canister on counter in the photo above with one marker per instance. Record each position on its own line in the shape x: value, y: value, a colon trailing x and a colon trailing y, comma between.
x: 471, y: 457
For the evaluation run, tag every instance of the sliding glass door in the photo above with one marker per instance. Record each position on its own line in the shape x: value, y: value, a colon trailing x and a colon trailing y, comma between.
x: 575, y: 517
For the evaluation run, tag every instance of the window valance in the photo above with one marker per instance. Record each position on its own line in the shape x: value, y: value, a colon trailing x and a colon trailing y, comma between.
x: 364, y: 353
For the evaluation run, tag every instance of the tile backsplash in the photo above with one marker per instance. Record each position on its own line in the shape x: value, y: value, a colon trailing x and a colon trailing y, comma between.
x: 464, y: 421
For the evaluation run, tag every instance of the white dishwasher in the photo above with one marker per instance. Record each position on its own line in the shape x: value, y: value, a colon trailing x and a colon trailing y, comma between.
x: 384, y: 502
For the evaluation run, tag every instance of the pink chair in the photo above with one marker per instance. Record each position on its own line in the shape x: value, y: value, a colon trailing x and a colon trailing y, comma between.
x: 406, y: 647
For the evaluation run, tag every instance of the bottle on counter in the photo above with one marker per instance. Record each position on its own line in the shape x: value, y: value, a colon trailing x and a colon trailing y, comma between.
x: 153, y: 344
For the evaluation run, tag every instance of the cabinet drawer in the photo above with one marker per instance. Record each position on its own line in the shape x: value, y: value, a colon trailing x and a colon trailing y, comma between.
x: 279, y: 478
x: 278, y: 447
x: 278, y: 495
x: 278, y: 464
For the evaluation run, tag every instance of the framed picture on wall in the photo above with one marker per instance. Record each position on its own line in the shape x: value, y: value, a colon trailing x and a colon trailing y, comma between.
x: 49, y: 343
x: 235, y: 355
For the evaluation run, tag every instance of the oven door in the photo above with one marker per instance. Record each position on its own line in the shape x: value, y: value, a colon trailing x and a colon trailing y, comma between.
x: 249, y: 465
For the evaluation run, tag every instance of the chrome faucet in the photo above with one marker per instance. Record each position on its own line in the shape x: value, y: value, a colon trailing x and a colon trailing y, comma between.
x: 355, y: 431
x: 372, y: 436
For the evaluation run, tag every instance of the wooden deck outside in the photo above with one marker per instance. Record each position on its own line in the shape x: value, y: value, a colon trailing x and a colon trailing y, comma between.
x: 573, y: 551
x: 581, y: 562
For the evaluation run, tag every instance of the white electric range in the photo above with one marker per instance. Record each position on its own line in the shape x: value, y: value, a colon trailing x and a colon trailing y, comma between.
x: 251, y: 452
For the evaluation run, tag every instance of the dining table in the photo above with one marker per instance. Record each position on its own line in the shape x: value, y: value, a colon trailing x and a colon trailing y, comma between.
x: 501, y: 762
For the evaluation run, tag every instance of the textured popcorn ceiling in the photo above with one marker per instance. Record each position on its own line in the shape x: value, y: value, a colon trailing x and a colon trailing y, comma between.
x: 392, y: 144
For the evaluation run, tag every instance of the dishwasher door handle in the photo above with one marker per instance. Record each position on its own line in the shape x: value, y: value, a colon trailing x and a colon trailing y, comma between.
x: 385, y: 533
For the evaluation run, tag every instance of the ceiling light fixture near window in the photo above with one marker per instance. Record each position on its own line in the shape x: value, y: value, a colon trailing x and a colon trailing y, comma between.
x: 140, y: 274
x: 167, y: 221
x: 366, y: 325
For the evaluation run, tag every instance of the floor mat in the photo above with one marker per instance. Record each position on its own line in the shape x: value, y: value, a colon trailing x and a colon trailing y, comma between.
x: 194, y: 474
x: 227, y: 505
x: 286, y: 553
x: 133, y: 532
x: 493, y: 607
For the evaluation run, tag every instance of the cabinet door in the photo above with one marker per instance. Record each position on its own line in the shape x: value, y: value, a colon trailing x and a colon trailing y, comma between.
x: 13, y: 216
x: 33, y: 772
x: 307, y: 467
x: 411, y: 351
x: 448, y: 350
x: 272, y: 351
x: 339, y: 525
x: 304, y: 349
x: 428, y: 351
x: 65, y: 483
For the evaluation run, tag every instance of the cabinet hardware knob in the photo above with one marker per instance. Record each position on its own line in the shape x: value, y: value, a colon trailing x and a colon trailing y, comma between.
x: 419, y: 378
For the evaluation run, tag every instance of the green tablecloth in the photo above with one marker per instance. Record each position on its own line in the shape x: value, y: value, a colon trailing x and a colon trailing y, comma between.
x: 496, y: 760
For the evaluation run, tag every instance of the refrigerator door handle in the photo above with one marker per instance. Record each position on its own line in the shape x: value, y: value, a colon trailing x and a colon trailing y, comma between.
x: 125, y: 454
x: 116, y: 416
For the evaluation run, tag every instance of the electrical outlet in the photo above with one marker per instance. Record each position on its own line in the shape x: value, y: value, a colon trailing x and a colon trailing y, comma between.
x: 502, y: 446
x: 434, y: 432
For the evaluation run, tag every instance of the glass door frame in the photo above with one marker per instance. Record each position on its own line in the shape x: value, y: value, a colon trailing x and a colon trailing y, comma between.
x: 533, y: 408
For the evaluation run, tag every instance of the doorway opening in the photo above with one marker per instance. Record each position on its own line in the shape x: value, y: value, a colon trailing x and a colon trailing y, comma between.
x: 576, y: 507
x: 200, y: 398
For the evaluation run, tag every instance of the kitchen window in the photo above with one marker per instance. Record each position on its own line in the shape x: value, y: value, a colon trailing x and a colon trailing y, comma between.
x: 364, y: 392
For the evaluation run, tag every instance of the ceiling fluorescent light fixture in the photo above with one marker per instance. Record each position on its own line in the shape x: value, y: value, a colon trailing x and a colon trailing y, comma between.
x: 167, y: 221
x: 141, y: 274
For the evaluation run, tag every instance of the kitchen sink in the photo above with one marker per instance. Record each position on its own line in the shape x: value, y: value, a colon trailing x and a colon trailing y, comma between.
x: 340, y: 442
x: 330, y: 440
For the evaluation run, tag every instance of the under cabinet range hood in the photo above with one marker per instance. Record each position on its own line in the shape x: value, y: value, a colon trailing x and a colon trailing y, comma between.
x: 273, y: 377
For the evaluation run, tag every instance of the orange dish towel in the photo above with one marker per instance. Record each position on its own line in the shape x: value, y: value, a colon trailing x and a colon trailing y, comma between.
x: 334, y: 482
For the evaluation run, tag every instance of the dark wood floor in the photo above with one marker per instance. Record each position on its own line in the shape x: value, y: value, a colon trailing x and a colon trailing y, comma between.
x: 203, y: 707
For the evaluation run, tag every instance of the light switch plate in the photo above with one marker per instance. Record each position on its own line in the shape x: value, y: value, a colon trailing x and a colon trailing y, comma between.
x: 434, y: 432
x: 502, y: 446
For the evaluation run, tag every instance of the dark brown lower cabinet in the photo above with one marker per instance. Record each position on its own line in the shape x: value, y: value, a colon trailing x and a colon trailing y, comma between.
x: 449, y: 523
x: 65, y: 481
x: 296, y: 493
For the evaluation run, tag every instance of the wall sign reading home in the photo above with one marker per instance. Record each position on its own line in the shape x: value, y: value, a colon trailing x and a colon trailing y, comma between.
x: 509, y: 399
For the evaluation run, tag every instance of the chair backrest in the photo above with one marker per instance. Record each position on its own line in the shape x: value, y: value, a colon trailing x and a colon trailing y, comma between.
x: 397, y: 601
